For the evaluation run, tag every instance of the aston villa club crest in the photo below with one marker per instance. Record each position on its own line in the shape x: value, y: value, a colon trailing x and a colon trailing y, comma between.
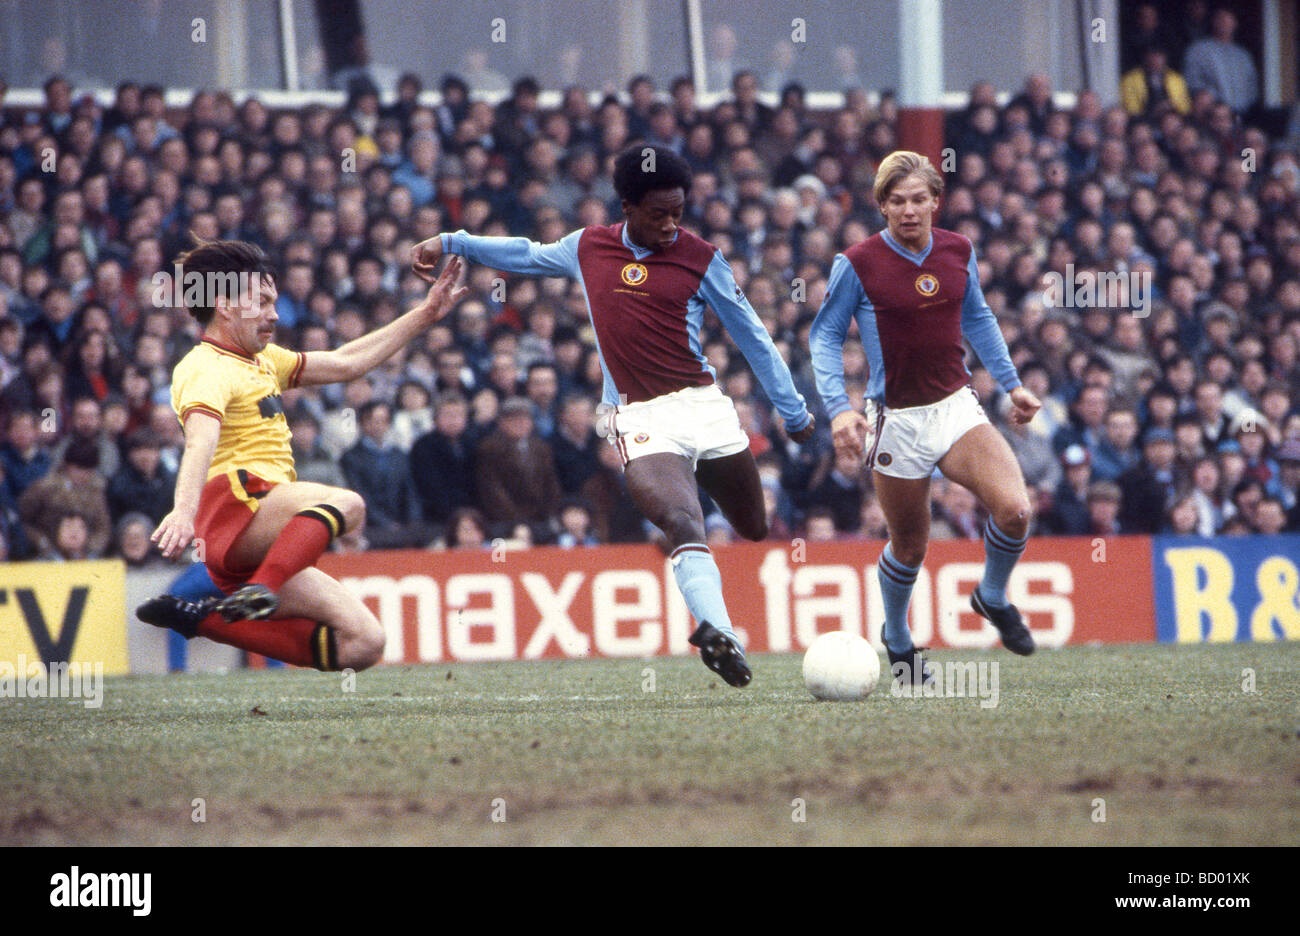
x: 884, y: 458
x: 635, y: 274
x: 927, y: 284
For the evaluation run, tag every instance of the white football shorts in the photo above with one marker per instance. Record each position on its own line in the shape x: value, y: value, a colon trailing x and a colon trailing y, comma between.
x: 908, y: 442
x: 697, y: 422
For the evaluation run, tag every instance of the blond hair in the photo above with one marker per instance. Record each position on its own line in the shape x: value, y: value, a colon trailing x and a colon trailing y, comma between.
x: 900, y: 164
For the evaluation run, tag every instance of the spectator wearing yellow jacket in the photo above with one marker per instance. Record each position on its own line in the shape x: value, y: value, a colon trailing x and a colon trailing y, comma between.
x: 1145, y: 88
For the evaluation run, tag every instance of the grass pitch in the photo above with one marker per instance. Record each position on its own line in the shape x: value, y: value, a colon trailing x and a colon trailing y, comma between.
x: 1162, y: 738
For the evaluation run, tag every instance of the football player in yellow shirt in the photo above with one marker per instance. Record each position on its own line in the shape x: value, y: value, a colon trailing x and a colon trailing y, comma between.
x: 258, y: 530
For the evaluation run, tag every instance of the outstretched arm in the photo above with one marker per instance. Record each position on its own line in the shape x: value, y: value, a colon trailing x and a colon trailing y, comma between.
x: 364, y: 354
x: 719, y: 290
x: 509, y: 254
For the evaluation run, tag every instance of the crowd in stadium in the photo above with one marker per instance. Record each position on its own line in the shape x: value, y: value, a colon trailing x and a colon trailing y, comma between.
x: 1173, y: 407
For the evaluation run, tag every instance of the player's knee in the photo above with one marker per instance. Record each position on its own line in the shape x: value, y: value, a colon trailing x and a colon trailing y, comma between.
x: 363, y: 649
x: 909, y: 554
x: 372, y: 647
x: 754, y: 529
x: 682, y: 525
x: 1013, y: 518
x: 353, y: 508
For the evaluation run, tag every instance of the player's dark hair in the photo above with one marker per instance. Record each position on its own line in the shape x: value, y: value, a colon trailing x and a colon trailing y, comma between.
x: 633, y: 183
x: 219, y: 257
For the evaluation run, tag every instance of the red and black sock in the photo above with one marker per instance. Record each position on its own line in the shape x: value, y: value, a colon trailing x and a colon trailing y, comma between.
x: 300, y: 641
x: 301, y: 542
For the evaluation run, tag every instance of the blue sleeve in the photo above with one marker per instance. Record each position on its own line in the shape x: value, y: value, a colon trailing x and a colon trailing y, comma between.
x: 980, y: 327
x: 719, y: 290
x: 844, y: 299
x: 517, y: 254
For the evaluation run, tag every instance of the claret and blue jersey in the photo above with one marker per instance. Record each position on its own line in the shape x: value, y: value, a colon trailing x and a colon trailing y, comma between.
x: 647, y: 308
x: 912, y: 310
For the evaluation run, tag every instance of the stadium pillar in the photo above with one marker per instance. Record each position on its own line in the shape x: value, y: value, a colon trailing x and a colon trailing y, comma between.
x: 920, y: 98
x: 634, y: 37
x: 230, y: 28
x: 1272, y: 70
x: 1100, y: 57
x: 695, y: 42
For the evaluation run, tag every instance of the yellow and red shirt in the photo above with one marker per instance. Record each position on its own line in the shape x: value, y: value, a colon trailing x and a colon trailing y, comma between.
x: 244, y: 393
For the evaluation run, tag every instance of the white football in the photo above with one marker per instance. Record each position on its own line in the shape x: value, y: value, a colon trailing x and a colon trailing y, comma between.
x: 841, y: 667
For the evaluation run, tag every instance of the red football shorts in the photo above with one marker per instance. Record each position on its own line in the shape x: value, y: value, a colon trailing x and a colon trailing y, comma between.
x: 226, y: 507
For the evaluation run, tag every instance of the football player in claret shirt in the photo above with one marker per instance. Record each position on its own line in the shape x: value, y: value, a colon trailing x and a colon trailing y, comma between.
x: 914, y: 292
x: 647, y: 281
x: 260, y: 530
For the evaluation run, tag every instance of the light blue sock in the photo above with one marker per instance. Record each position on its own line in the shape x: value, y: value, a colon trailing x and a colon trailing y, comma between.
x: 1001, y: 554
x: 896, y: 581
x: 700, y: 583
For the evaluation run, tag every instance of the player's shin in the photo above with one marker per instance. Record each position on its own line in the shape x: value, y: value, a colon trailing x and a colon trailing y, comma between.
x: 896, y: 581
x: 300, y: 641
x: 302, y: 541
x: 700, y: 583
x: 1001, y: 552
